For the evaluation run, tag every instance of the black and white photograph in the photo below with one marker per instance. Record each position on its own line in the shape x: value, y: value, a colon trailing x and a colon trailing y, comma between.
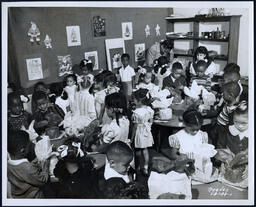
x: 156, y: 108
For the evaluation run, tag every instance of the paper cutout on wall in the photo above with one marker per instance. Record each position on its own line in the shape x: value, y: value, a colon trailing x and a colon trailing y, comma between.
x: 127, y: 32
x: 65, y: 65
x: 139, y: 52
x: 93, y: 56
x: 48, y: 42
x: 73, y: 36
x: 157, y: 30
x: 147, y: 30
x: 34, y: 33
x: 34, y: 68
x: 99, y: 26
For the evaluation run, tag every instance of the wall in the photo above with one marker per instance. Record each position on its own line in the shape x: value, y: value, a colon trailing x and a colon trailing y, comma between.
x: 221, y: 48
x: 53, y: 21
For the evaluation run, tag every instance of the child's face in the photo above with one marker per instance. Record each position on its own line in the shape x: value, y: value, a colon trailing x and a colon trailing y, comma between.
x: 121, y: 166
x: 241, y: 122
x: 148, y: 78
x: 41, y: 88
x: 200, y: 71
x: 98, y: 85
x: 200, y: 56
x: 125, y: 61
x: 192, y: 130
x: 42, y: 105
x: 85, y: 70
x: 177, y: 73
x: 136, y: 102
x: 70, y: 81
x: 110, y: 112
x: 16, y: 107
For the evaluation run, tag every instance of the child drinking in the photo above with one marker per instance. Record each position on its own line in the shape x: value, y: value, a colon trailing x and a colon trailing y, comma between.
x: 86, y: 67
x: 78, y: 178
x: 59, y: 97
x: 127, y: 76
x: 71, y: 88
x: 176, y: 79
x: 142, y: 119
x: 85, y: 101
x: 161, y: 70
x: 201, y: 53
x: 118, y: 128
x: 26, y: 177
x: 17, y: 117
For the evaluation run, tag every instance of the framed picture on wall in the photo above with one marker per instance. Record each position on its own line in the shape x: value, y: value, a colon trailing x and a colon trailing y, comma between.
x: 127, y: 32
x: 93, y: 56
x: 114, y: 49
x: 34, y: 69
x: 73, y: 36
x: 139, y: 52
x: 65, y: 65
x: 99, y: 26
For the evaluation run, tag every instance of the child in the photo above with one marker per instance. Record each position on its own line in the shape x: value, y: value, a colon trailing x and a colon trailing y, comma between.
x: 145, y: 79
x: 75, y: 171
x: 116, y: 109
x: 161, y: 70
x: 25, y: 177
x: 40, y: 86
x: 86, y: 67
x: 59, y: 97
x: 127, y: 76
x: 142, y: 120
x: 110, y: 84
x: 119, y: 156
x: 71, y: 88
x: 232, y: 67
x: 17, y: 117
x: 201, y: 53
x: 85, y: 101
x: 176, y: 79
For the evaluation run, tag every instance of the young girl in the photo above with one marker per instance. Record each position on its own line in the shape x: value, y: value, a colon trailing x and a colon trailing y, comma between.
x: 78, y: 178
x: 110, y: 84
x: 86, y: 67
x: 142, y: 119
x: 17, y: 117
x: 201, y: 53
x: 40, y: 86
x: 71, y: 88
x: 59, y: 97
x: 161, y: 70
x: 118, y: 128
x: 85, y: 101
x: 145, y: 79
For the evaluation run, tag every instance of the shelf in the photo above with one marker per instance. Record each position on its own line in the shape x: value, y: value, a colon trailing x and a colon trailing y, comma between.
x: 215, y: 58
x: 202, y: 19
x: 197, y: 38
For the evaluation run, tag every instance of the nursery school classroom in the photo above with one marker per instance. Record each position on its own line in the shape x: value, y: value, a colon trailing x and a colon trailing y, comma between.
x: 127, y: 103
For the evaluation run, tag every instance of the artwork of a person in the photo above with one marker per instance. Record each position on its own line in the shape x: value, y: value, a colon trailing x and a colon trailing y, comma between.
x: 73, y: 36
x: 127, y: 31
x: 147, y: 31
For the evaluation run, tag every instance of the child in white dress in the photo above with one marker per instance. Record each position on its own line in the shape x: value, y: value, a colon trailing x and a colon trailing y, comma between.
x: 86, y: 67
x: 142, y: 119
x: 71, y: 89
x: 194, y: 143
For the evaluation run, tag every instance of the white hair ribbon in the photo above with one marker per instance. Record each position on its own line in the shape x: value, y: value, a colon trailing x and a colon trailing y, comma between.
x: 63, y: 150
x: 79, y: 151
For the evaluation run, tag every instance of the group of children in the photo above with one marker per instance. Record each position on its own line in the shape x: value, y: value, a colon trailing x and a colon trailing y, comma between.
x: 119, y: 115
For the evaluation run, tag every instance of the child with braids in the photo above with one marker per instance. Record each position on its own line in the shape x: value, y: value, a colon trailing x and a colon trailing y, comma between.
x: 142, y: 119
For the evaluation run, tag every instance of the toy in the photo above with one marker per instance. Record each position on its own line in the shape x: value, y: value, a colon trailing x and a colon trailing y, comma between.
x: 34, y: 32
x: 157, y: 30
x: 48, y: 42
x: 147, y: 30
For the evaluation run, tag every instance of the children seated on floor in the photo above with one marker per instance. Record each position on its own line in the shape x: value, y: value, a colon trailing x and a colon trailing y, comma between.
x: 26, y: 177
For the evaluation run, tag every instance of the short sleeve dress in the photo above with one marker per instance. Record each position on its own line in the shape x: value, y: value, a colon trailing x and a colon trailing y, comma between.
x: 143, y: 135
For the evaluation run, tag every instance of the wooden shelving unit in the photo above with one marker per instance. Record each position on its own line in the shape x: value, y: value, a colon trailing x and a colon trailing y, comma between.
x: 232, y: 40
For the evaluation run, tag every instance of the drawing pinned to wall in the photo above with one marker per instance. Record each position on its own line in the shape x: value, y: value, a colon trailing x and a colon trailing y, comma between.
x: 65, y: 65
x: 127, y: 32
x: 139, y: 52
x: 157, y: 30
x: 147, y: 30
x: 99, y: 26
x: 34, y: 33
x: 93, y: 57
x: 114, y: 49
x: 48, y: 42
x: 73, y: 36
x: 34, y: 68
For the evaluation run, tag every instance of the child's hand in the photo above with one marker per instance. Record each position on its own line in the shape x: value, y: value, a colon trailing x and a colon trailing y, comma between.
x: 175, y: 143
x: 191, y: 155
x: 245, y: 173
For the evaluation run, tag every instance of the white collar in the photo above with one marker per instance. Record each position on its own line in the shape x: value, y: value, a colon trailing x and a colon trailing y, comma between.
x: 235, y: 132
x: 17, y: 162
x: 125, y: 67
x: 111, y: 173
x: 173, y: 79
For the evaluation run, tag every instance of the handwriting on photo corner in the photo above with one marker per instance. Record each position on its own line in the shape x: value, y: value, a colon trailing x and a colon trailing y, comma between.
x: 219, y: 191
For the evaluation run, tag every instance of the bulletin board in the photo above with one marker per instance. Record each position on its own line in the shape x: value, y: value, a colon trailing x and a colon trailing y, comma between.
x: 53, y: 21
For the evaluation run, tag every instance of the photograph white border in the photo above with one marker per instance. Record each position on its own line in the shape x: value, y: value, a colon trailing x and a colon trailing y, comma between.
x: 29, y: 202
x: 77, y: 32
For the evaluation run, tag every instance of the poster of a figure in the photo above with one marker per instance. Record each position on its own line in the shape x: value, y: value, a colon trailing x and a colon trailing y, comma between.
x: 73, y: 36
x: 65, y: 65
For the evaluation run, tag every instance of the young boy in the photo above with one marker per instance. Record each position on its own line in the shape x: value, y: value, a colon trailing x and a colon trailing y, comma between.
x: 127, y: 76
x: 25, y: 177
